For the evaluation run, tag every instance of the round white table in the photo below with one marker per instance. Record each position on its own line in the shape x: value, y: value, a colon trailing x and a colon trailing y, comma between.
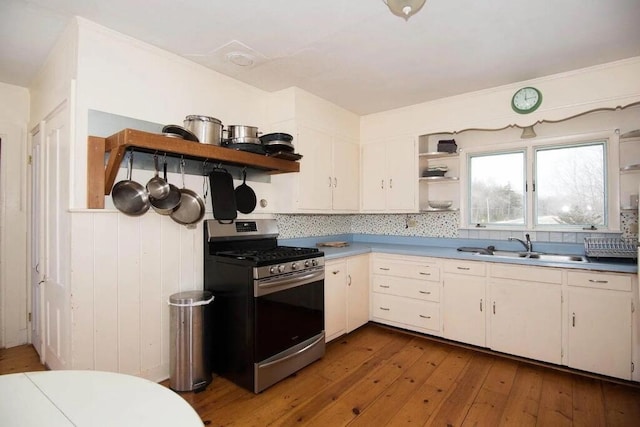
x: 90, y: 398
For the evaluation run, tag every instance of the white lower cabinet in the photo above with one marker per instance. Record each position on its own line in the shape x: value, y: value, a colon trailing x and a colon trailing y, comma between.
x: 346, y: 295
x: 464, y: 302
x: 525, y: 314
x: 406, y: 292
x: 599, y: 328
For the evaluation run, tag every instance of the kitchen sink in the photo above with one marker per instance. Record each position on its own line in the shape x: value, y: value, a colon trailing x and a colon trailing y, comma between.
x: 534, y: 256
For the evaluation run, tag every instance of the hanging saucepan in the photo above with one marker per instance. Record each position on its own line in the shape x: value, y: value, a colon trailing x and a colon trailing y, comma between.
x: 171, y: 201
x: 157, y: 187
x: 245, y: 196
x: 130, y: 197
x: 191, y: 208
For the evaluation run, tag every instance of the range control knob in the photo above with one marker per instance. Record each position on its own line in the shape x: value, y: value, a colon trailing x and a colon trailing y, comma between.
x: 294, y: 266
x: 307, y: 263
x: 281, y: 268
x: 314, y: 262
x: 273, y: 270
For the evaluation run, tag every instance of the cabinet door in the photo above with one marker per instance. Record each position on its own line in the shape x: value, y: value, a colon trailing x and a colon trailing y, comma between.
x: 335, y: 299
x: 373, y: 183
x: 357, y: 292
x: 315, y: 177
x: 600, y: 331
x: 401, y: 175
x: 346, y: 176
x: 464, y: 307
x: 526, y: 319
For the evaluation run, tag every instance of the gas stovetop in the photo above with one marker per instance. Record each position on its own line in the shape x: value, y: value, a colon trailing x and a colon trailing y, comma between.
x: 272, y: 255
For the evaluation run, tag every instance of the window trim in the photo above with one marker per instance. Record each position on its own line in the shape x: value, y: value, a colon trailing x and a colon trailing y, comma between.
x: 611, y: 167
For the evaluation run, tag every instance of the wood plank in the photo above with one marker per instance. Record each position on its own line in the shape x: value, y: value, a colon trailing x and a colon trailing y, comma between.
x: 622, y: 404
x: 524, y: 398
x: 368, y: 389
x: 389, y: 403
x: 556, y: 403
x: 455, y: 408
x: 428, y: 398
x: 95, y: 172
x: 490, y: 402
x: 588, y: 402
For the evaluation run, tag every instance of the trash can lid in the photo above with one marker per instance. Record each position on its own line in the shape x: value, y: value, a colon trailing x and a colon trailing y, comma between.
x: 190, y: 297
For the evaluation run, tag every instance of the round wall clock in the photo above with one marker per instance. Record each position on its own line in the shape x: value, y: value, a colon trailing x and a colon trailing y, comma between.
x: 526, y: 100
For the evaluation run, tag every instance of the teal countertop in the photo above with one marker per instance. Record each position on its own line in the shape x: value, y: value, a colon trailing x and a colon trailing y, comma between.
x: 447, y: 248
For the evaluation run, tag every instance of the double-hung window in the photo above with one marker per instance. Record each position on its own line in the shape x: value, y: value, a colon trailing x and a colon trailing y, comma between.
x: 559, y: 186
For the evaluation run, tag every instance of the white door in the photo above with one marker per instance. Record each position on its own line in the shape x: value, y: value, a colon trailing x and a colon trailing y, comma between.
x: 37, y: 243
x: 526, y: 319
x: 56, y: 238
x: 346, y: 176
x: 402, y: 175
x: 357, y: 292
x: 335, y: 299
x: 316, y: 180
x: 464, y: 308
x: 374, y: 181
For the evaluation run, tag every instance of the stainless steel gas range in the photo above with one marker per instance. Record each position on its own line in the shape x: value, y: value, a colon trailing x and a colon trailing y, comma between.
x: 267, y: 319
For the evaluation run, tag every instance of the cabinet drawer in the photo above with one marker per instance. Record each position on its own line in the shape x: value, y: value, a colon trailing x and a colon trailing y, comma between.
x: 409, y: 269
x: 464, y: 267
x: 525, y: 273
x: 617, y: 282
x: 411, y: 288
x: 422, y: 314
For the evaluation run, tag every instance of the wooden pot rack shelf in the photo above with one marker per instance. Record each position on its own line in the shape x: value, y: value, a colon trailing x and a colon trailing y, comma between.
x: 101, y: 177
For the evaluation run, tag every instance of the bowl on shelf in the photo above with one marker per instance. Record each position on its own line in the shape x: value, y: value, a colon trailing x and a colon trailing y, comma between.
x: 440, y: 204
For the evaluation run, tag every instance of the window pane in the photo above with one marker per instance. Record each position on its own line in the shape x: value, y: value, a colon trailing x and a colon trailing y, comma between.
x: 570, y: 185
x: 497, y: 189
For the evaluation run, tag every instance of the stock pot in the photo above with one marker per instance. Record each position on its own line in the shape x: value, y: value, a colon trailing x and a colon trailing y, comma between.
x: 207, y: 129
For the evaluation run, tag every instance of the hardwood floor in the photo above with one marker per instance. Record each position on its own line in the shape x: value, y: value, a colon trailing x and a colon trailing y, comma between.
x: 381, y: 377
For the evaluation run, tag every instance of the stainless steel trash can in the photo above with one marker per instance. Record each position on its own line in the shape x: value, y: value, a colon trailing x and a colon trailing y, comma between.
x: 188, y: 371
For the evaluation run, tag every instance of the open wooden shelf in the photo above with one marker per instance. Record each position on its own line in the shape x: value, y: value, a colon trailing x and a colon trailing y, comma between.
x: 101, y: 177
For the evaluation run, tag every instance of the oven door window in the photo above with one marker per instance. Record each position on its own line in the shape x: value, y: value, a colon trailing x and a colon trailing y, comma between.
x: 288, y: 317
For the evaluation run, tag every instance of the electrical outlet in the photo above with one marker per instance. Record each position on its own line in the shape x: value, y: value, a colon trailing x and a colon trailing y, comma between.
x: 412, y: 223
x: 633, y: 228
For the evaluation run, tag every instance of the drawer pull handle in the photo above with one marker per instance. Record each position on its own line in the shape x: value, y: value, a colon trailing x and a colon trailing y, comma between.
x: 494, y: 307
x: 335, y: 271
x: 385, y: 286
x: 425, y: 274
x: 480, y: 304
x: 598, y: 281
x: 385, y: 268
x: 425, y: 317
x: 425, y: 292
x: 384, y: 308
x: 573, y: 320
x: 463, y: 268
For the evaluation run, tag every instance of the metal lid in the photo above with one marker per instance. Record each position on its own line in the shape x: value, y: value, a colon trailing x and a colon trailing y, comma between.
x: 203, y: 118
x: 190, y: 297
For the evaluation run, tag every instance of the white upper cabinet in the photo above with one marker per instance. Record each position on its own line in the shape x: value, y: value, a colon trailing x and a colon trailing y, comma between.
x: 388, y: 176
x: 328, y: 177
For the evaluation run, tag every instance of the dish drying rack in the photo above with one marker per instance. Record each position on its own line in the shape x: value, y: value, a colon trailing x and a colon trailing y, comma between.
x: 610, y: 247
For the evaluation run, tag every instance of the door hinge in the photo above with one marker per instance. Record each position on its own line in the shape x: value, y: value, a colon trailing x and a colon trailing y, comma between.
x: 29, y: 317
x: 633, y: 367
x: 30, y: 160
x: 633, y: 307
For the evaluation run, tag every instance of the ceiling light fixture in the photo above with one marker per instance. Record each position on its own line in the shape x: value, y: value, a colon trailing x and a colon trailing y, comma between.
x: 404, y: 8
x: 240, y: 59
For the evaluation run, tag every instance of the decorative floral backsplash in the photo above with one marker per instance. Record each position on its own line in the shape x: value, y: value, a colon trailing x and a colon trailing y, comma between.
x: 441, y: 224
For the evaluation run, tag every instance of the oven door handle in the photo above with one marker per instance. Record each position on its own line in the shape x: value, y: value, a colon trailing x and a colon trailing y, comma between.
x: 279, y: 284
x: 302, y: 350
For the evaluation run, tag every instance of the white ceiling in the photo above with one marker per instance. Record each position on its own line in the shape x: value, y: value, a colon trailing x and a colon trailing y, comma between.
x: 354, y: 53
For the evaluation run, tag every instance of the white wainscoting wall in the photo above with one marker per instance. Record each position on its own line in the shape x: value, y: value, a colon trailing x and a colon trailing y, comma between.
x: 123, y: 270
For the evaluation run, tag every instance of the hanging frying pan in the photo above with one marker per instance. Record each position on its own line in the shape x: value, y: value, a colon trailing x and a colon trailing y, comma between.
x: 245, y: 196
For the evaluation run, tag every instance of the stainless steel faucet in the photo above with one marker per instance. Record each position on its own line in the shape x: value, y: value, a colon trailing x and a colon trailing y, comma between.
x: 526, y: 243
